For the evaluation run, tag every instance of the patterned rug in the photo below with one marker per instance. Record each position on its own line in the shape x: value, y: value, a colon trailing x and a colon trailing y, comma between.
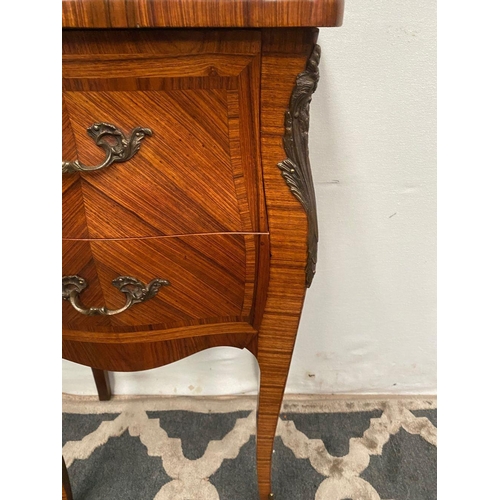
x: 189, y: 448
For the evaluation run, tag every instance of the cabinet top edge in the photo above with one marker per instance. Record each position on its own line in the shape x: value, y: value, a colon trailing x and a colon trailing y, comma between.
x: 201, y: 13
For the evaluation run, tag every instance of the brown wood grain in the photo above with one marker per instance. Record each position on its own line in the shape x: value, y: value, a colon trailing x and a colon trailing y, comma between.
x: 74, y: 219
x: 128, y: 357
x: 203, y: 204
x: 77, y: 259
x: 160, y: 190
x: 245, y: 147
x: 200, y: 13
x: 211, y: 276
x: 151, y: 66
x: 199, y: 172
x: 137, y: 336
x: 101, y: 379
x: 284, y: 56
x: 161, y: 42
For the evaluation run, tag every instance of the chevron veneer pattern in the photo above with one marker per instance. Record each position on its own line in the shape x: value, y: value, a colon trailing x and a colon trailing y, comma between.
x: 189, y: 207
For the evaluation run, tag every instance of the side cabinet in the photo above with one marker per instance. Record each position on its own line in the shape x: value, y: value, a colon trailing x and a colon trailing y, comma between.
x: 189, y: 217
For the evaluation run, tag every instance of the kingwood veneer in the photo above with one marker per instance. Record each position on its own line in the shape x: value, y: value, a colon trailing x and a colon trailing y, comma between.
x: 204, y: 205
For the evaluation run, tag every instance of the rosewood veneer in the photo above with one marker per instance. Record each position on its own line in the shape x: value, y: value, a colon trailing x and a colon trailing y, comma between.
x: 189, y: 216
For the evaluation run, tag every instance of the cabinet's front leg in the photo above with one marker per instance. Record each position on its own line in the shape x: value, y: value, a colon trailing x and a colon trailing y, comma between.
x: 289, y: 77
x: 274, y: 356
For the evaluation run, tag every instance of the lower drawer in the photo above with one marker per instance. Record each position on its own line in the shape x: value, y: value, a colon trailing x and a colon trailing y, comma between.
x: 212, y: 279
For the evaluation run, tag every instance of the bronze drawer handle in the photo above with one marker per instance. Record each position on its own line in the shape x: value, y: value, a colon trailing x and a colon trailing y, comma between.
x: 135, y: 290
x: 117, y: 146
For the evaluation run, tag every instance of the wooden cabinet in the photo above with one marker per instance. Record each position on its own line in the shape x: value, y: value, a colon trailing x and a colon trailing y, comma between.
x: 187, y: 185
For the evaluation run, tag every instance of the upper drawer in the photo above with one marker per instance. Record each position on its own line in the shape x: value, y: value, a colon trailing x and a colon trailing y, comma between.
x: 199, y: 171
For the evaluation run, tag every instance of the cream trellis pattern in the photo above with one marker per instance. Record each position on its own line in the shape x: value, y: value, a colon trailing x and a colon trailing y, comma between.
x: 191, y: 477
x: 342, y: 473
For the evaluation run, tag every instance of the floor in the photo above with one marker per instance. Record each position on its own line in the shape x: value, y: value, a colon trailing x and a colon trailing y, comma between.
x: 193, y: 448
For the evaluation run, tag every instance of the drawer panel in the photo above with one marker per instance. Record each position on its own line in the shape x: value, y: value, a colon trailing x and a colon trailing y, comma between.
x: 212, y: 280
x: 199, y: 172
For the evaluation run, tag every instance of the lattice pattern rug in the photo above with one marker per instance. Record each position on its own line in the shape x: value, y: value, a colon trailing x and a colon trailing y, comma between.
x: 189, y: 448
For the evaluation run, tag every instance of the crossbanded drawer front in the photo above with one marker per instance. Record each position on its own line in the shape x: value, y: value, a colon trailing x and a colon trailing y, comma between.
x: 211, y: 279
x: 198, y: 170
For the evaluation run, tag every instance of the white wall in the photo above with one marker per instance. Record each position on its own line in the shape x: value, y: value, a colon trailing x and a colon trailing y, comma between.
x: 369, y: 319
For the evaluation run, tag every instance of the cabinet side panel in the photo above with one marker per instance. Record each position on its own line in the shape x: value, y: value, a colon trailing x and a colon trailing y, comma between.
x: 285, y: 54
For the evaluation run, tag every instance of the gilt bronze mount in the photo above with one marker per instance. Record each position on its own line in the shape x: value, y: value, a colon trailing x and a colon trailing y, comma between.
x: 296, y: 169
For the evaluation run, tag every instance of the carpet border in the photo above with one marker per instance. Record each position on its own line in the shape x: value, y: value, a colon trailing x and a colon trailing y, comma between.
x: 295, y: 403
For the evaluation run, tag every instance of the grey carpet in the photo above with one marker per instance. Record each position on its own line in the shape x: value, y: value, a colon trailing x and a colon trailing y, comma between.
x: 204, y: 449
